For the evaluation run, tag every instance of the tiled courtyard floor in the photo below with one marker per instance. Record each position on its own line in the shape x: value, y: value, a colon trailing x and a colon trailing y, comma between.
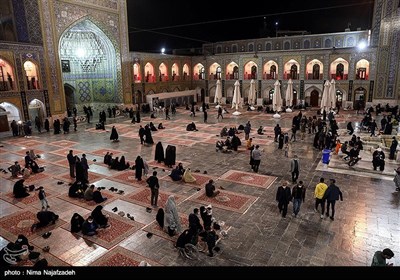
x: 366, y: 221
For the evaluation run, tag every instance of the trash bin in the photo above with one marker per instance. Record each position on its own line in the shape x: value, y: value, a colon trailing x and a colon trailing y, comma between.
x: 325, y: 156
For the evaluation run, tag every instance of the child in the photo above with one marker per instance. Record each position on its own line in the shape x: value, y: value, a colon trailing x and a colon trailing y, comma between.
x: 43, y: 200
x: 286, y: 149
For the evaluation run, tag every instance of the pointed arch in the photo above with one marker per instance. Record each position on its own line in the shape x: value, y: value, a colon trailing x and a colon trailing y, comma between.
x: 362, y: 69
x: 314, y: 70
x: 291, y: 70
x: 137, y: 76
x: 270, y: 70
x: 230, y: 71
x: 339, y: 69
x: 250, y: 70
x: 7, y: 76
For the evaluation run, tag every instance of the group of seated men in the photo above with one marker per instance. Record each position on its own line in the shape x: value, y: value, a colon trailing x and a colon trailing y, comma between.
x: 115, y: 163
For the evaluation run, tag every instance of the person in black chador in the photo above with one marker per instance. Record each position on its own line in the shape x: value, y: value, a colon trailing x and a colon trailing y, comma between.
x: 139, y: 165
x: 114, y: 134
x: 159, y: 155
x: 160, y: 217
x: 393, y: 147
x: 45, y: 218
x: 99, y: 218
x: 76, y: 222
x: 142, y: 133
x: 20, y: 190
x: 170, y: 156
x: 152, y: 127
x: 138, y: 116
x: 149, y: 138
x: 47, y: 125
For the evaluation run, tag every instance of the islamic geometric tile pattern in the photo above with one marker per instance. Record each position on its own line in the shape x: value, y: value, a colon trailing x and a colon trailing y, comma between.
x: 84, y: 91
x: 69, y: 14
x: 103, y: 91
x: 48, y: 41
x: 111, y: 4
x: 33, y: 21
x: 20, y: 21
x: 376, y: 23
x: 394, y: 57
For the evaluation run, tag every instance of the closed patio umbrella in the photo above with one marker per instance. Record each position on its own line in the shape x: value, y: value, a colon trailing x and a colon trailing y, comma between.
x: 325, y: 103
x: 218, y: 93
x: 289, y: 95
x: 252, y: 93
x: 237, y: 98
x: 332, y: 95
x: 277, y: 99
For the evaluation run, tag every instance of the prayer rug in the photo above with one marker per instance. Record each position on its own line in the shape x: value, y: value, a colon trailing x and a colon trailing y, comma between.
x: 65, y: 152
x: 102, y: 152
x: 36, y: 177
x: 92, y: 177
x: 23, y: 151
x: 22, y: 202
x: 128, y: 177
x: 143, y: 197
x: 25, y: 142
x: 90, y: 205
x: 64, y: 143
x: 20, y: 223
x: 201, y: 179
x: 248, y: 178
x: 226, y: 200
x: 120, y: 228
x: 51, y: 260
x: 155, y: 228
x: 120, y: 256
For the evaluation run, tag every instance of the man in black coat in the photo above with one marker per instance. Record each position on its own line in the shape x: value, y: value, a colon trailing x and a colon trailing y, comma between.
x: 332, y: 194
x: 283, y: 196
x: 154, y: 186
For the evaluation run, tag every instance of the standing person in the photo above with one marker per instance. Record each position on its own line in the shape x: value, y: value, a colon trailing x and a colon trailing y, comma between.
x: 75, y: 112
x: 319, y: 193
x: 71, y: 161
x: 139, y: 165
x: 372, y: 127
x: 295, y: 168
x: 378, y: 159
x: 154, y: 186
x: 205, y: 115
x: 43, y: 199
x: 141, y: 134
x: 171, y: 217
x: 137, y: 115
x: 193, y: 111
x: 85, y: 167
x: 256, y: 155
x: 298, y: 194
x: 38, y: 124
x: 75, y: 120
x: 283, y: 196
x: 167, y: 113
x: 380, y: 258
x: 396, y: 179
x: 114, y: 134
x: 277, y: 131
x: 393, y: 147
x: 331, y: 195
x: 247, y: 129
x: 88, y: 116
x: 220, y: 112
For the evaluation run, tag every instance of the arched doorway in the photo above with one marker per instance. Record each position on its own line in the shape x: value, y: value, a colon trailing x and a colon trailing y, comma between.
x: 36, y: 109
x: 314, y: 96
x: 8, y: 113
x: 69, y: 96
x: 89, y: 64
x: 359, y: 98
x: 138, y: 97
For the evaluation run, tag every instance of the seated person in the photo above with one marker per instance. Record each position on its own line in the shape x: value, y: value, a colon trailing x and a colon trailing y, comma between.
x: 15, y: 169
x: 224, y: 132
x: 160, y: 126
x: 76, y: 222
x: 191, y: 127
x: 210, y: 189
x: 100, y: 125
x: 35, y: 167
x: 99, y: 218
x: 176, y: 174
x: 260, y: 131
x: 181, y: 169
x: 184, y: 238
x: 89, y: 193
x: 235, y: 142
x: 219, y: 145
x: 228, y: 143
x: 115, y: 163
x: 19, y: 190
x: 122, y: 164
x: 22, y: 240
x: 107, y: 158
x: 89, y: 227
x: 77, y: 189
x: 32, y: 155
x: 152, y: 127
x: 240, y: 127
x: 97, y: 197
x: 45, y: 218
x: 188, y: 177
x: 152, y: 116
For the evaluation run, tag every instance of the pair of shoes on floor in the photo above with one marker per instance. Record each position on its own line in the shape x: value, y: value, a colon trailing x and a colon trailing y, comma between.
x: 121, y: 213
x: 46, y: 249
x: 197, y: 170
x: 205, y: 172
x: 46, y: 235
x: 148, y: 209
x: 221, y: 188
x: 149, y: 235
x: 198, y: 189
x: 115, y: 209
x: 130, y: 217
x: 60, y: 182
x: 113, y: 189
x: 332, y: 218
x: 120, y: 192
x: 103, y: 188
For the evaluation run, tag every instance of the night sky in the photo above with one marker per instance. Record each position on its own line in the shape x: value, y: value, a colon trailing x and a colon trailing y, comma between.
x: 317, y: 16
